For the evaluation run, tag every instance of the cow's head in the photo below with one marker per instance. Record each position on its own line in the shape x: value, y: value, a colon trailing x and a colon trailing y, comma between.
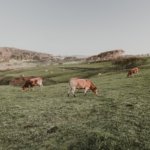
x: 94, y: 90
x: 27, y: 85
x: 24, y: 88
x: 129, y: 73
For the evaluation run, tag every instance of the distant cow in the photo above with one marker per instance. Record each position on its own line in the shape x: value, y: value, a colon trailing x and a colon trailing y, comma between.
x: 76, y: 83
x: 132, y: 71
x: 31, y: 82
x: 19, y: 81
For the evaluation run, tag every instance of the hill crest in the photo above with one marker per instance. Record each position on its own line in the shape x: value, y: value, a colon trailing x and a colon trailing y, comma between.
x: 107, y: 55
x: 8, y: 53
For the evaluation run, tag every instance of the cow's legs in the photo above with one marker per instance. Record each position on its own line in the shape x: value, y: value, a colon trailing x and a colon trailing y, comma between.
x: 41, y: 87
x: 69, y: 91
x: 85, y: 91
x: 73, y: 91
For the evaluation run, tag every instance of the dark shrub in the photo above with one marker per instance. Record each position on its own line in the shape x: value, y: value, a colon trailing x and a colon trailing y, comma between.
x: 129, y: 62
x: 5, y: 80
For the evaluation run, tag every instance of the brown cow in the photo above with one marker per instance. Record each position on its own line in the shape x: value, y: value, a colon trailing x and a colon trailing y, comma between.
x: 86, y: 84
x: 18, y: 81
x: 31, y: 82
x: 133, y: 71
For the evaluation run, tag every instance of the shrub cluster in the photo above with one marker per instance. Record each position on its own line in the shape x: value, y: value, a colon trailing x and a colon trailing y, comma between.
x: 129, y: 62
x: 5, y: 80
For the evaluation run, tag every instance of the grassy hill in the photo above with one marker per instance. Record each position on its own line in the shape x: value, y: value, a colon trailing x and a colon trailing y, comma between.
x: 117, y: 119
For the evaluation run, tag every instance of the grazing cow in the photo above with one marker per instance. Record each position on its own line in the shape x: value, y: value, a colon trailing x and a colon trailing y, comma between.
x: 132, y: 71
x: 76, y: 83
x: 19, y: 81
x: 31, y: 82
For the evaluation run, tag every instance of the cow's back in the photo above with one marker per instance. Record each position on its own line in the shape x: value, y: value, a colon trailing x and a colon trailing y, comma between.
x: 79, y: 83
x: 73, y: 82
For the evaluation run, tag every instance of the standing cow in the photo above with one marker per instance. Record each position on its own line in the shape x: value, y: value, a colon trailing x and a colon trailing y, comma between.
x: 132, y: 71
x: 86, y: 84
x: 31, y: 82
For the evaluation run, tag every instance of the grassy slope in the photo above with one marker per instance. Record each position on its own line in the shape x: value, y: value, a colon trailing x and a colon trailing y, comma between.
x: 118, y: 119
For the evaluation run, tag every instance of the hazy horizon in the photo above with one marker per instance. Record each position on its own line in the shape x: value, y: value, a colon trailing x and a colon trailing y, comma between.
x: 81, y: 27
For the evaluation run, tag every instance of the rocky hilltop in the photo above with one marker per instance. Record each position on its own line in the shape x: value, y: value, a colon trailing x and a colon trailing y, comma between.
x: 7, y: 54
x: 14, y: 58
x: 108, y: 55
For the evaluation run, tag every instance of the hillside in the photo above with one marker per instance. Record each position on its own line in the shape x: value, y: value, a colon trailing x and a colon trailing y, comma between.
x: 108, y: 55
x: 7, y: 54
x: 14, y: 58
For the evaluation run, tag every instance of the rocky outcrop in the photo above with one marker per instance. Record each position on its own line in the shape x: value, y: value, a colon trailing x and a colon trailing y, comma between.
x: 7, y: 54
x: 108, y: 55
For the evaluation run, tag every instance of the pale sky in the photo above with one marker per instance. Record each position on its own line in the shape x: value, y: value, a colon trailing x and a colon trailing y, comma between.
x: 70, y: 27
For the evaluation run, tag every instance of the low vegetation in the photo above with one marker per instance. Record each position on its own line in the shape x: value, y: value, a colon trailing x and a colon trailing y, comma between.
x: 129, y: 62
x: 117, y: 119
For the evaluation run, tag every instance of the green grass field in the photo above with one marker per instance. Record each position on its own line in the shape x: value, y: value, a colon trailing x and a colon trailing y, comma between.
x: 117, y: 119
